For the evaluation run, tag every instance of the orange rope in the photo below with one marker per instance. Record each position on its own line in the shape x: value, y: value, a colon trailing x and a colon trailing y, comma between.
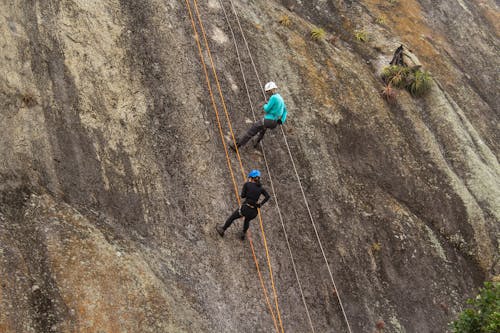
x: 239, y: 159
x: 218, y: 87
x: 226, y: 152
x: 270, y: 271
x: 213, y: 103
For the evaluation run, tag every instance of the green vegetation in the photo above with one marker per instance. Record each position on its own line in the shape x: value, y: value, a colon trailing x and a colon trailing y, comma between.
x: 397, y: 76
x: 361, y: 35
x: 318, y: 33
x: 420, y: 84
x: 416, y: 81
x: 285, y: 20
x: 484, y: 314
x: 381, y: 20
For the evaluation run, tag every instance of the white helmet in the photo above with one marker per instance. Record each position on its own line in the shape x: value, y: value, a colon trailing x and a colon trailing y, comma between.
x: 270, y: 85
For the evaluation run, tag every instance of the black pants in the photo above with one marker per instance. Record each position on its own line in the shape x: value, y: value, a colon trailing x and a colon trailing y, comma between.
x: 245, y: 211
x: 260, y: 126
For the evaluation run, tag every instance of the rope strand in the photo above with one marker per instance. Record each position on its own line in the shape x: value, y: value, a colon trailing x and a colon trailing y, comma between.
x: 268, y: 170
x: 224, y: 107
x: 297, y: 176
x: 228, y: 160
x: 239, y: 160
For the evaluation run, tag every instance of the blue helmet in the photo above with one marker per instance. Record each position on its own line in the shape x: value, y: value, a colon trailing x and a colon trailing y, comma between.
x: 254, y: 174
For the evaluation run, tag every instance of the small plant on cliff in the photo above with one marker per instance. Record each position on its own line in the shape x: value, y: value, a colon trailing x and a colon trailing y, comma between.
x: 420, y: 84
x: 361, y: 35
x: 285, y: 20
x: 484, y: 314
x: 318, y: 33
x: 28, y: 99
x: 389, y: 71
x: 376, y: 247
x: 396, y: 76
x: 416, y: 81
x: 381, y: 20
x: 389, y: 94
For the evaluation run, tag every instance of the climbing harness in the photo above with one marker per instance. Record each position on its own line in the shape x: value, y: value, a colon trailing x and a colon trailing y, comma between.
x: 227, y: 155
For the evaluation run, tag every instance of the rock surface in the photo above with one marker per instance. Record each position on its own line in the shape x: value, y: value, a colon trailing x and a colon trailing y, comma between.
x: 113, y: 173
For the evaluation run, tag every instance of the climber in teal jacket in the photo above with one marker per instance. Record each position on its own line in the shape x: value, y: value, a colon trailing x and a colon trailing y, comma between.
x: 274, y: 113
x: 275, y: 109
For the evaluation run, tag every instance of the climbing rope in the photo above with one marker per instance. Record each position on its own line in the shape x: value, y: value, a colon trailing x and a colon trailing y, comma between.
x: 268, y: 170
x: 239, y: 157
x: 336, y: 292
x: 239, y: 160
x: 193, y: 24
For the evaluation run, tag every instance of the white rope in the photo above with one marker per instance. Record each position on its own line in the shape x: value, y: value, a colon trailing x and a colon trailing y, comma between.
x: 268, y: 170
x: 248, y: 48
x: 297, y: 175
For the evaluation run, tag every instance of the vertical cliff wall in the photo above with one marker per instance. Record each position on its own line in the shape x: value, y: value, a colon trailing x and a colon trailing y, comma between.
x: 113, y: 173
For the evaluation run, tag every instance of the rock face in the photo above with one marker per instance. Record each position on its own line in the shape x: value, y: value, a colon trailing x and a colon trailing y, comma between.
x: 113, y: 174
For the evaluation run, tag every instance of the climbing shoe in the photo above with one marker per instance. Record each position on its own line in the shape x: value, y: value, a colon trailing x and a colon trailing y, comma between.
x: 220, y: 230
x: 242, y: 235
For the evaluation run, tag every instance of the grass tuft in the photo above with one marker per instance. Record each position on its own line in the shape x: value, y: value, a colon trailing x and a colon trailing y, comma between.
x: 376, y: 247
x: 381, y: 20
x: 420, y: 84
x: 361, y: 35
x: 285, y: 20
x: 397, y: 76
x: 318, y: 34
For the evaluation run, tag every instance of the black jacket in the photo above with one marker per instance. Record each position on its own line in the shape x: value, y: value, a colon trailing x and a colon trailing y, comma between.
x: 251, y: 193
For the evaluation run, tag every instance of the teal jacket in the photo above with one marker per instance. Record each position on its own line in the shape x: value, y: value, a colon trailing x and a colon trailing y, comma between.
x: 275, y: 108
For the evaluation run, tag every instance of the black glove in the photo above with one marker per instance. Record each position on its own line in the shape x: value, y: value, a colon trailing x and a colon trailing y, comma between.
x: 279, y: 121
x: 258, y: 205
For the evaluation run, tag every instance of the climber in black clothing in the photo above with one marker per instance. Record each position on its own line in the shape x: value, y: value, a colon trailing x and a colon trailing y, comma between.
x: 251, y: 192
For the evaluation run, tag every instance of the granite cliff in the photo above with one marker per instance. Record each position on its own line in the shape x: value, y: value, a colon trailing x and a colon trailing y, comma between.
x: 113, y: 174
